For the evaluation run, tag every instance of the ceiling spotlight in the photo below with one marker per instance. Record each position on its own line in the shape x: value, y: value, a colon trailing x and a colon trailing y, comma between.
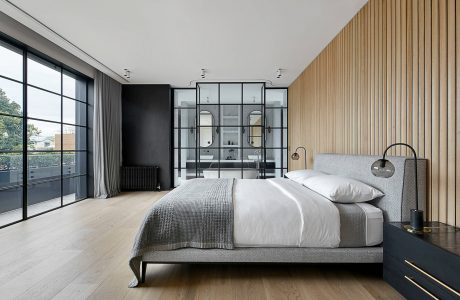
x: 278, y: 73
x: 203, y: 73
x: 127, y: 74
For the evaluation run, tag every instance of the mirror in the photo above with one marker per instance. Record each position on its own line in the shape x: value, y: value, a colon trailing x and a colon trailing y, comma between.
x: 255, y: 129
x: 206, y: 123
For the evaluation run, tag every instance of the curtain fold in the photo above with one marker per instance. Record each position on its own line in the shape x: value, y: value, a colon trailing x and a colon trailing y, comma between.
x: 107, y: 136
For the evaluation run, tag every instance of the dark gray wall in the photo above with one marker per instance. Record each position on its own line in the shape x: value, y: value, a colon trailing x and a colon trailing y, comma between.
x: 147, y: 132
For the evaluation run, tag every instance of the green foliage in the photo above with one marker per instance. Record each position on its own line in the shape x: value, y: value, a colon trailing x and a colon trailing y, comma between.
x: 42, y: 160
x: 11, y: 127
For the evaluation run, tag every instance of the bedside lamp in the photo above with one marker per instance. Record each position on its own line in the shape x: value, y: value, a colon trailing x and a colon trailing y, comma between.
x: 384, y: 168
x: 296, y: 156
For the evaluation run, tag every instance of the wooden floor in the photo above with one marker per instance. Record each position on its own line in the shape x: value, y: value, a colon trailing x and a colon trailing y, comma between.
x: 81, y: 251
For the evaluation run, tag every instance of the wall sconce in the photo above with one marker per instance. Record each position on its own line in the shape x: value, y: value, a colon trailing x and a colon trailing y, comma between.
x: 296, y: 156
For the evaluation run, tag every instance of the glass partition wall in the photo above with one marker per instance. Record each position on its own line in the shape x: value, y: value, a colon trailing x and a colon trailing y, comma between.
x: 230, y: 130
x: 43, y: 134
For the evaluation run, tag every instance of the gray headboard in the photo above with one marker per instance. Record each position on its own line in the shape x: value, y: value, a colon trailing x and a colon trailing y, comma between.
x: 399, y: 189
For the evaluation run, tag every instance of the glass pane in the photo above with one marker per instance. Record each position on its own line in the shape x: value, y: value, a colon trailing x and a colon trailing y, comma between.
x: 184, y: 118
x: 285, y: 118
x: 43, y: 166
x: 73, y: 138
x: 10, y: 205
x: 185, y: 98
x: 230, y: 93
x: 273, y: 138
x: 253, y: 93
x: 74, y: 163
x: 10, y: 97
x: 184, y: 138
x: 276, y: 97
x: 43, y: 196
x: 43, y: 74
x: 230, y: 115
x: 74, y: 112
x: 250, y: 110
x: 230, y: 137
x: 43, y: 135
x: 11, y: 133
x: 73, y: 86
x: 285, y: 158
x: 10, y: 61
x: 43, y: 105
x: 74, y: 189
x: 273, y: 117
x: 207, y: 136
x: 10, y: 188
x: 208, y: 93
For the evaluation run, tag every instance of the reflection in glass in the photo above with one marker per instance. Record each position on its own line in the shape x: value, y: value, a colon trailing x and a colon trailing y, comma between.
x: 10, y: 97
x: 43, y: 196
x: 206, y: 130
x: 74, y: 189
x: 255, y: 129
x: 43, y: 105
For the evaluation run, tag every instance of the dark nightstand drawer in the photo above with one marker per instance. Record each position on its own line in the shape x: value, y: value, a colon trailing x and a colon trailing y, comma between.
x: 411, y: 283
x: 436, y: 261
x: 418, y: 266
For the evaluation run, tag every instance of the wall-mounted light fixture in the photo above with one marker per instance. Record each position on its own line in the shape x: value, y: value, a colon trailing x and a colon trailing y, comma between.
x: 203, y: 73
x: 296, y: 156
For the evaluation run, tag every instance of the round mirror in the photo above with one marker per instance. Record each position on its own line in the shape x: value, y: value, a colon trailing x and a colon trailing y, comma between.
x: 255, y: 128
x: 206, y: 132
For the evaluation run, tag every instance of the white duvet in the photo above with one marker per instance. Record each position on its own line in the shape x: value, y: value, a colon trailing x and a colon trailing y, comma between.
x: 282, y: 213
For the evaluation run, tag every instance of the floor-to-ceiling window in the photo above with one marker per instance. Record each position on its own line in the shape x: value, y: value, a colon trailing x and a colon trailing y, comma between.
x: 43, y: 134
x: 236, y: 130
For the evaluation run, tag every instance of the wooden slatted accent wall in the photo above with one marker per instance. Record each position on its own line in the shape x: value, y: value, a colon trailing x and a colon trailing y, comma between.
x: 391, y: 75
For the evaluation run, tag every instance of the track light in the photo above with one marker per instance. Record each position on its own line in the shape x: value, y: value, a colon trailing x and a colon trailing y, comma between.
x: 278, y: 73
x: 127, y: 74
x: 203, y: 73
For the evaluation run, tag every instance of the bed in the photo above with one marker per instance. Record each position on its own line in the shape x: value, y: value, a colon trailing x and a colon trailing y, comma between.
x: 269, y: 226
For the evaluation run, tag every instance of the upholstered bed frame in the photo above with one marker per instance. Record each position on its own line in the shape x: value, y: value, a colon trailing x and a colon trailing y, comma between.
x: 398, y: 200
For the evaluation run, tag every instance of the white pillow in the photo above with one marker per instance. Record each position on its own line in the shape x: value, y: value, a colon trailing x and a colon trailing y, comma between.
x: 342, y: 189
x: 300, y: 175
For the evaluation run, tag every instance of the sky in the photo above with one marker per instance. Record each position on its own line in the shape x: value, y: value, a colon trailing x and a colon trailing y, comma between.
x: 41, y: 104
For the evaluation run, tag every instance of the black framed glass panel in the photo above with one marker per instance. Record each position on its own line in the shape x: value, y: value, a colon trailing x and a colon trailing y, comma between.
x: 42, y: 159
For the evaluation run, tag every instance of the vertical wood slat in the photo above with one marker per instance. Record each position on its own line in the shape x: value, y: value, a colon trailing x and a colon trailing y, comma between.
x: 392, y: 74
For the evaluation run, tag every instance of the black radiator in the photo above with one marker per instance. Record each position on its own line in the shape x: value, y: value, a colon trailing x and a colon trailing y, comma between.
x: 139, y: 178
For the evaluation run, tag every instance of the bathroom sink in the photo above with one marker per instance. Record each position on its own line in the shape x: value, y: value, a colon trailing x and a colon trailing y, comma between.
x: 254, y: 157
x: 206, y: 157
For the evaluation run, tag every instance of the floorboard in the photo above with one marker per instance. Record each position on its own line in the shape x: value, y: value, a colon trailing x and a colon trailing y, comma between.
x: 81, y: 252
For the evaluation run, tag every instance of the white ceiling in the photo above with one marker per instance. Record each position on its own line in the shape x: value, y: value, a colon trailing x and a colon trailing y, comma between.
x: 169, y: 41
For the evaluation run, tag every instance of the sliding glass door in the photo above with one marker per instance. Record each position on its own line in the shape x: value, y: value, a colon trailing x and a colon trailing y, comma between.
x: 43, y: 134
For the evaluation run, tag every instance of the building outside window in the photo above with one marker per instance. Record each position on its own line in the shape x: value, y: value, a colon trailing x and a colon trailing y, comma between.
x: 43, y: 134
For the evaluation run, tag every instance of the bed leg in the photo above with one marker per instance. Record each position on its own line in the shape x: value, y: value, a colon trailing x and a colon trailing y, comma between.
x: 144, y: 270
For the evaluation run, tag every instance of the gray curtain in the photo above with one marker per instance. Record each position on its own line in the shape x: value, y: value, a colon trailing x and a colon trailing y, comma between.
x: 107, y: 136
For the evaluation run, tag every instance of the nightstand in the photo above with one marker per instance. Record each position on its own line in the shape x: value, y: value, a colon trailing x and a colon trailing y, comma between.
x: 422, y: 266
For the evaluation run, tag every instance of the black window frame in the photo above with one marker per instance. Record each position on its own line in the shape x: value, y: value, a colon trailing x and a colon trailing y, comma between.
x: 27, y: 51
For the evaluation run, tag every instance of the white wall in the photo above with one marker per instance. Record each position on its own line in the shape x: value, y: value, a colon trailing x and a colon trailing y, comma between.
x: 25, y: 35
